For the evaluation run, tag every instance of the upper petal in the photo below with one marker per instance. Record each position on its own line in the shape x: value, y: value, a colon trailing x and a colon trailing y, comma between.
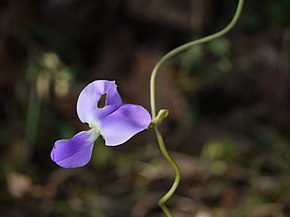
x: 87, y: 105
x: 74, y: 152
x: 124, y: 123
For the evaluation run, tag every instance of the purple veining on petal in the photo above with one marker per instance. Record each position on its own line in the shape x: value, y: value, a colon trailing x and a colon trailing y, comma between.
x: 74, y: 152
x: 124, y: 123
x: 87, y: 105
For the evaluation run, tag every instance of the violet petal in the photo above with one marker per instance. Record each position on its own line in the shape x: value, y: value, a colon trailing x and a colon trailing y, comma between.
x: 124, y: 123
x: 87, y: 105
x: 74, y: 152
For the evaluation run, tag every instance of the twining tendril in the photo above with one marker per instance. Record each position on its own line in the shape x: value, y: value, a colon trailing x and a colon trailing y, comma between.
x: 155, y: 118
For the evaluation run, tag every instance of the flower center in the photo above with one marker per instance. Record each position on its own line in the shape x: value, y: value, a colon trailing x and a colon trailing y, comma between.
x: 95, y: 128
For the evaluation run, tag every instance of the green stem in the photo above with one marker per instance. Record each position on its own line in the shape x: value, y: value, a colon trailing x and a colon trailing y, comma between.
x: 184, y: 47
x: 154, y: 74
x: 171, y: 191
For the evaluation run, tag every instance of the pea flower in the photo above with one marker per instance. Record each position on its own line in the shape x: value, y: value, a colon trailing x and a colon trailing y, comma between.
x: 115, y: 122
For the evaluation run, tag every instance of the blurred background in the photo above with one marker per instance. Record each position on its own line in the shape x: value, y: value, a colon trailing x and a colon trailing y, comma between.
x: 229, y: 107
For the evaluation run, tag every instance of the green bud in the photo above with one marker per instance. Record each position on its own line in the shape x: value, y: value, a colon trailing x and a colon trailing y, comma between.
x: 162, y: 114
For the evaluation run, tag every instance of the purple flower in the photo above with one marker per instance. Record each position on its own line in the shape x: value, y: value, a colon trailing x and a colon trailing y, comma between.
x: 115, y: 122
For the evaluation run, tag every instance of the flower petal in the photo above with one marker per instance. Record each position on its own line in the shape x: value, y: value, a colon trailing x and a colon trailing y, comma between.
x: 124, y: 123
x: 74, y: 152
x: 87, y: 105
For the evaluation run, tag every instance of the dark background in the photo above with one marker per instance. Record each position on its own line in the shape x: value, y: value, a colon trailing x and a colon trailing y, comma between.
x: 229, y: 107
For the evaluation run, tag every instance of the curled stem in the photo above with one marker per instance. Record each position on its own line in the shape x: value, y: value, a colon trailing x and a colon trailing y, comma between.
x: 154, y: 74
x: 171, y: 191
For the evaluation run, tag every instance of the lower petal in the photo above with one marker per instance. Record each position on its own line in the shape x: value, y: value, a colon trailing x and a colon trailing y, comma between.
x: 124, y: 123
x: 74, y: 152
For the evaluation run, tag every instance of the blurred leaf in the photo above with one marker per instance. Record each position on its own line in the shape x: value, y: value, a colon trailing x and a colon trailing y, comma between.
x: 220, y: 47
x: 225, y: 150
